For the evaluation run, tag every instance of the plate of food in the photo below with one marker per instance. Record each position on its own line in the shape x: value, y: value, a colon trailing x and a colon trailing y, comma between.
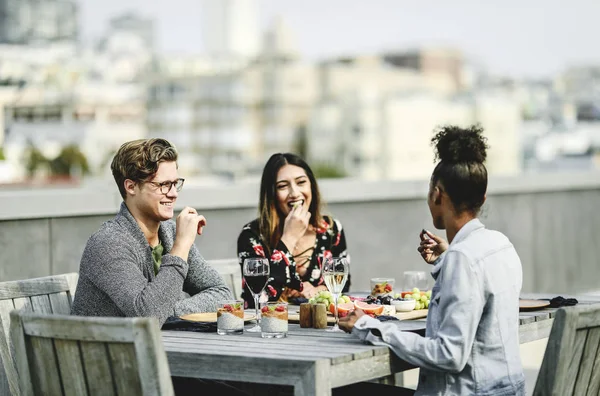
x: 210, y: 317
x: 532, y: 305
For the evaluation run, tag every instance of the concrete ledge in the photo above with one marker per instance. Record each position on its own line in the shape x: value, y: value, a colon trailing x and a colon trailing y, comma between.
x: 103, y: 199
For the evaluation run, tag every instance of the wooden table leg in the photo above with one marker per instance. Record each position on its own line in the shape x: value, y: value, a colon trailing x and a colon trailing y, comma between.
x: 315, y: 381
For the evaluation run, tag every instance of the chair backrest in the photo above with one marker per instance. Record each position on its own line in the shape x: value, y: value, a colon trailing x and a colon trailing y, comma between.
x: 231, y: 272
x: 50, y: 294
x: 74, y: 355
x: 571, y: 364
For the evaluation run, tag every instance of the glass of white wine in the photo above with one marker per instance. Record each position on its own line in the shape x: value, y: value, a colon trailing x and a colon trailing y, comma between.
x: 335, y: 274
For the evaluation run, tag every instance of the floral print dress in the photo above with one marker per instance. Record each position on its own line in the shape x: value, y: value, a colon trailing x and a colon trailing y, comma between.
x: 330, y: 241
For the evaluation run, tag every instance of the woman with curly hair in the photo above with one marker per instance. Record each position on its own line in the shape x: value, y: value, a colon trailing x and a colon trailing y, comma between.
x: 291, y: 231
x: 471, y: 343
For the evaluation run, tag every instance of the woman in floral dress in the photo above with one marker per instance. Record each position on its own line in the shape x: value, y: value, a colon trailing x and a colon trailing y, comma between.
x: 291, y: 231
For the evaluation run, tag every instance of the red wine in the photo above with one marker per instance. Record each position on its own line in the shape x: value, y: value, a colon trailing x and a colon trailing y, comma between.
x: 256, y: 282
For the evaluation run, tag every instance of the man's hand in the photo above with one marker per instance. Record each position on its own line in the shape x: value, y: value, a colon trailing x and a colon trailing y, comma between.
x: 431, y: 246
x: 347, y: 323
x: 189, y: 224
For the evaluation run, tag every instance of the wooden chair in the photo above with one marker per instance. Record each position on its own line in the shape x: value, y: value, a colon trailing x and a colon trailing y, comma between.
x: 571, y: 364
x: 74, y: 355
x: 231, y: 272
x: 50, y: 294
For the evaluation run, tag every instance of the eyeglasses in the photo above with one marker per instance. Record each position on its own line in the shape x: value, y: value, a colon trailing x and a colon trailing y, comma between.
x: 166, y: 186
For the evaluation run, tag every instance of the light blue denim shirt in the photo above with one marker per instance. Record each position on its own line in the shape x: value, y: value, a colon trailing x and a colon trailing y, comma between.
x: 471, y: 345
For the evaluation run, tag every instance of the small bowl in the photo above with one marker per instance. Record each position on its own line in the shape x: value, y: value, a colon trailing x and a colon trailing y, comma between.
x: 404, y: 305
x: 378, y: 286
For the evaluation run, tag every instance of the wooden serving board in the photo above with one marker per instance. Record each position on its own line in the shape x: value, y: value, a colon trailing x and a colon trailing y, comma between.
x: 533, y: 305
x: 412, y: 315
x: 294, y: 317
x: 210, y: 317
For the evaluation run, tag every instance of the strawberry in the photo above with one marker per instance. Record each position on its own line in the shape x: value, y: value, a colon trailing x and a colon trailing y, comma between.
x: 272, y: 290
x: 265, y: 309
x: 228, y: 307
x: 280, y: 308
x: 388, y: 287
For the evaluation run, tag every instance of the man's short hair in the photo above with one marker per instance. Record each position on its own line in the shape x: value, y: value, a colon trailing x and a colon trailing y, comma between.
x: 138, y: 160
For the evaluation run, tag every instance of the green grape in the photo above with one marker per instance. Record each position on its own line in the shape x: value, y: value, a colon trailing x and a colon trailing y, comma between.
x: 416, y: 290
x: 424, y: 298
x: 312, y: 300
x: 416, y: 296
x: 426, y: 304
x: 418, y: 305
x: 429, y: 294
x: 397, y: 295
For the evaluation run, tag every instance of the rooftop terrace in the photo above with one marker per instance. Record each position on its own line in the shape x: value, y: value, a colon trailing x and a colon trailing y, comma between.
x: 552, y: 219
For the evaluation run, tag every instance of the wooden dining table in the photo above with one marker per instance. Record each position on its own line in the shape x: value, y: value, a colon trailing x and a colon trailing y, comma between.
x: 312, y: 361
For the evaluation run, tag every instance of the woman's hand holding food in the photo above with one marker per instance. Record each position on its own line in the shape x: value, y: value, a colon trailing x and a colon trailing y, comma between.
x: 295, y: 225
x: 431, y: 246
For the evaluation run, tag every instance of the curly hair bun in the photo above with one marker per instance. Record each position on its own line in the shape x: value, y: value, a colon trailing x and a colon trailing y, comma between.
x: 460, y: 145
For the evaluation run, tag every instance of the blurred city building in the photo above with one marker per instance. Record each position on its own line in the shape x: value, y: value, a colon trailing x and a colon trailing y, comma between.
x: 374, y: 135
x: 38, y: 21
x: 126, y: 52
x: 432, y: 61
x: 230, y: 28
x: 60, y: 94
x: 97, y: 124
x: 226, y: 117
x: 364, y: 115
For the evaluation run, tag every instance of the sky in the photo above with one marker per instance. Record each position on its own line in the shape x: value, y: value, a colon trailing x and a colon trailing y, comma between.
x: 531, y: 38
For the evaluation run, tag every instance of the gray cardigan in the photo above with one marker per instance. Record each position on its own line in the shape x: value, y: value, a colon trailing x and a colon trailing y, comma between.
x: 116, y: 275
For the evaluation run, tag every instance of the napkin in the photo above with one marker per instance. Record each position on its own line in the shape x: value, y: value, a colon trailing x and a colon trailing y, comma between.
x: 560, y: 301
x: 297, y: 300
x: 175, y: 323
x: 385, y: 318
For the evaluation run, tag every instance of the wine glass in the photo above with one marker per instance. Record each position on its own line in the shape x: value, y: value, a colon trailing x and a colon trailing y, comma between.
x: 256, y: 274
x: 414, y: 279
x: 335, y: 274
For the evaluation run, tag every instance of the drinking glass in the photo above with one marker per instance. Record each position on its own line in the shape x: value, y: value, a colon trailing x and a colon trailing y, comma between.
x: 230, y: 317
x: 274, y: 320
x: 335, y: 274
x: 256, y: 274
x: 414, y: 279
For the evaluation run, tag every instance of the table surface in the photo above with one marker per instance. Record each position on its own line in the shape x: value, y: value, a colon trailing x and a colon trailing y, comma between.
x: 312, y: 361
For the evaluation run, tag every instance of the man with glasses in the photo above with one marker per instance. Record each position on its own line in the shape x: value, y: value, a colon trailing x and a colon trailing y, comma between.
x: 141, y: 263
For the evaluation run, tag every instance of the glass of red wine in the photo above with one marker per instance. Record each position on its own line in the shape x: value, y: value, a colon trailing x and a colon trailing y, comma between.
x: 256, y: 274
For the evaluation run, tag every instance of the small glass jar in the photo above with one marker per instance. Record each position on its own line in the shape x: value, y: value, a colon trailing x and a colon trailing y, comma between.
x: 230, y: 317
x: 274, y: 320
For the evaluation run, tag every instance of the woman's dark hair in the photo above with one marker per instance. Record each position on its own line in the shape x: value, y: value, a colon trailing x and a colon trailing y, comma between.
x: 461, y: 172
x: 270, y: 221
